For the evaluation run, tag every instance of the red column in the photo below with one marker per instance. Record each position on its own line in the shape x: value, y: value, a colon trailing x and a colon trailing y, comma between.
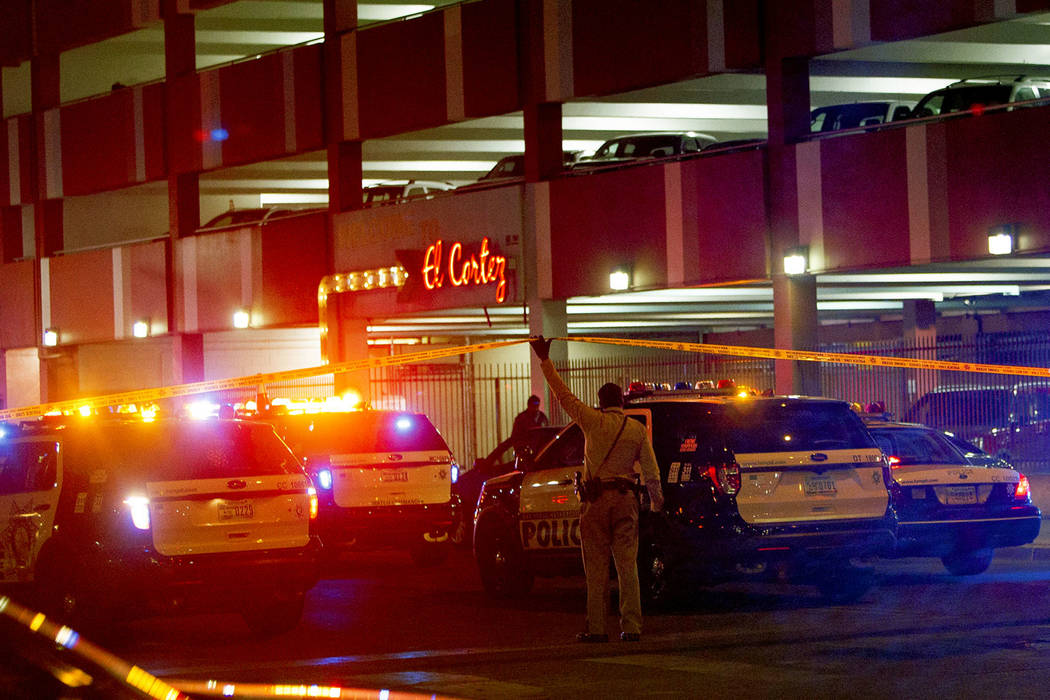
x: 44, y: 81
x: 179, y: 62
x: 795, y: 321
x: 344, y: 156
x: 543, y: 149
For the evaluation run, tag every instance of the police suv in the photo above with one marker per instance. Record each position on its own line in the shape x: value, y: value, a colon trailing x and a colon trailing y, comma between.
x: 107, y: 519
x: 753, y: 486
x: 384, y: 478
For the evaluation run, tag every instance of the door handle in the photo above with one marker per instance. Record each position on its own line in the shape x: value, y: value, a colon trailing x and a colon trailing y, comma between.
x: 42, y: 507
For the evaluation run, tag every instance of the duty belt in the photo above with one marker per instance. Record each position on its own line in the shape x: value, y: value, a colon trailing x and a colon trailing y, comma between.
x: 619, y: 483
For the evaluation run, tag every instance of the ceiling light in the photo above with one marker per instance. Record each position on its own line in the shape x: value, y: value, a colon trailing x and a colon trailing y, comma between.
x: 1001, y: 240
x: 795, y: 261
x: 241, y: 318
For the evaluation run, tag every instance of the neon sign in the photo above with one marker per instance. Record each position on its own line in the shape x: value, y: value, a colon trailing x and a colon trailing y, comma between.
x: 481, y: 268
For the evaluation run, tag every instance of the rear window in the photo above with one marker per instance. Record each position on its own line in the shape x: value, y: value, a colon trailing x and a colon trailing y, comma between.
x: 960, y: 99
x: 180, y: 450
x: 773, y: 426
x: 917, y: 446
x: 359, y: 433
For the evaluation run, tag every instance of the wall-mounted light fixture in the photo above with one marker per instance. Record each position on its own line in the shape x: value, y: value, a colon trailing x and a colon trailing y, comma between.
x: 140, y: 329
x: 620, y: 278
x: 242, y: 318
x: 1001, y: 239
x: 51, y: 337
x: 796, y: 260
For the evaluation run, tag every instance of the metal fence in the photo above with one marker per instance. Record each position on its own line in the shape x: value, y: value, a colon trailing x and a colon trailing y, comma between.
x: 474, y: 405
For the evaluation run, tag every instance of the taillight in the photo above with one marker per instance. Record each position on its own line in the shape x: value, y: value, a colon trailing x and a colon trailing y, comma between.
x: 725, y: 477
x: 1023, y: 491
x: 894, y: 462
x: 139, y: 507
x: 313, y: 502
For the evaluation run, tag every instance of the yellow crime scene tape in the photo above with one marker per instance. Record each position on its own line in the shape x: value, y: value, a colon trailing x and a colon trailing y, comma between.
x: 140, y: 396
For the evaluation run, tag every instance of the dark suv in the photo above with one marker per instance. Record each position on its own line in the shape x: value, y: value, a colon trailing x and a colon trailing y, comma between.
x: 107, y: 519
x: 384, y: 478
x: 754, y: 486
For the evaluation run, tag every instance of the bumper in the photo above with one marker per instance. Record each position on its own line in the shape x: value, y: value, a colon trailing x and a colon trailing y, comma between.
x: 385, y: 525
x: 211, y: 581
x: 937, y: 537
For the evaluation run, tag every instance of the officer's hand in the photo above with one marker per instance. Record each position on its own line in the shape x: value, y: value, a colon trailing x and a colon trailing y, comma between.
x: 541, y: 346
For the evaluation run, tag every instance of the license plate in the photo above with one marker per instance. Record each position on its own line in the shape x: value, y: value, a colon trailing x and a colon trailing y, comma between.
x: 236, y: 511
x: 393, y: 476
x: 820, y: 486
x: 960, y: 495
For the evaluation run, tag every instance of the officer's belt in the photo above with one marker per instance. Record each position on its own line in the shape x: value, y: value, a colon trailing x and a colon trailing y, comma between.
x: 619, y: 483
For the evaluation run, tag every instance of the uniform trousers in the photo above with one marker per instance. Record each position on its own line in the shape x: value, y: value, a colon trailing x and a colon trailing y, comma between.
x: 609, y: 525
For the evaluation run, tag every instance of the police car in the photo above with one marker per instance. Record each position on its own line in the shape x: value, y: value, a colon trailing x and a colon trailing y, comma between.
x: 384, y: 478
x: 952, y: 500
x: 753, y: 486
x: 108, y: 519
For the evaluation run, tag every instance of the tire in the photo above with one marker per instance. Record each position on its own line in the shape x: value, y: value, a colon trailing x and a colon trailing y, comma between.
x: 428, y: 554
x: 277, y: 615
x: 66, y: 594
x: 969, y: 562
x: 656, y: 578
x: 501, y: 563
x: 844, y: 583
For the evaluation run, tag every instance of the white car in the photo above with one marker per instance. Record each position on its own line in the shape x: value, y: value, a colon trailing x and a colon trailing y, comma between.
x: 394, y: 191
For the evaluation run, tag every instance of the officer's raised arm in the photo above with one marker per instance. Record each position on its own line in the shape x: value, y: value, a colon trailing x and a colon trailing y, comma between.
x: 577, y: 410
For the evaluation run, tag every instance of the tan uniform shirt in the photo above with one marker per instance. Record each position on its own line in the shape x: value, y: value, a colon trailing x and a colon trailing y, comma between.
x: 600, y: 428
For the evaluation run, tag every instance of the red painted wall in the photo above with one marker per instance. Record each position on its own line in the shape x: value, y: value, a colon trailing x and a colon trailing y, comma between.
x: 997, y: 176
x: 144, y: 277
x: 17, y: 327
x: 865, y: 200
x: 184, y: 124
x: 294, y: 260
x: 603, y: 220
x: 609, y: 36
x: 98, y: 144
x: 309, y: 133
x: 490, y: 58
x: 252, y: 110
x: 82, y: 296
x: 219, y: 270
x: 401, y: 76
x: 728, y: 192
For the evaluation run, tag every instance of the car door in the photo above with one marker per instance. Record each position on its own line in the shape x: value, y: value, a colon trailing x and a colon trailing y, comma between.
x: 30, y: 483
x: 550, y: 511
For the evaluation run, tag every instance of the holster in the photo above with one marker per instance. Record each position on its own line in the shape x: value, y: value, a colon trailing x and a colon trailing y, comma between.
x: 587, y: 490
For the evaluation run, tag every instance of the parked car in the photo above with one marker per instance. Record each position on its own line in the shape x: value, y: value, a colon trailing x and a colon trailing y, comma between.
x: 982, y: 92
x: 514, y: 166
x: 766, y: 487
x: 107, y: 519
x: 394, y: 191
x: 624, y: 149
x: 857, y: 114
x: 952, y: 500
x: 248, y: 217
x: 1008, y: 421
x: 384, y: 478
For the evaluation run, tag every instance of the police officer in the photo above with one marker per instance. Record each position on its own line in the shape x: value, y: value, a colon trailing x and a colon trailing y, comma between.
x: 612, y: 445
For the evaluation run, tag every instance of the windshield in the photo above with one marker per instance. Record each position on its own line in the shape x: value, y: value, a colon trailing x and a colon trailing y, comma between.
x: 847, y: 116
x: 774, y: 426
x: 360, y: 432
x: 640, y: 146
x: 174, y: 451
x: 375, y: 195
x: 917, y: 446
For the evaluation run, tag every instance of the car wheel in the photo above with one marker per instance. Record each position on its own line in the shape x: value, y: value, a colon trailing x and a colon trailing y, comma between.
x: 65, y: 594
x: 501, y: 564
x: 968, y: 563
x: 428, y: 554
x: 655, y: 577
x: 844, y: 583
x: 278, y: 615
